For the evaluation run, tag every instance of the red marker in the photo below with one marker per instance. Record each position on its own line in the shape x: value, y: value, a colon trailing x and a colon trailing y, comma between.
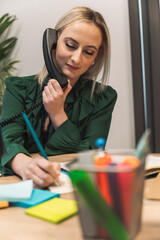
x: 125, y: 179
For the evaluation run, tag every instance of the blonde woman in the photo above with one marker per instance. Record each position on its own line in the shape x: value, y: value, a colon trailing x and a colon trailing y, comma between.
x: 69, y: 120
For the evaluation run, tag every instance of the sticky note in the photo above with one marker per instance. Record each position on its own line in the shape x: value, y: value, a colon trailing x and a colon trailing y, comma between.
x: 16, y: 191
x: 4, y: 204
x: 54, y: 210
x: 38, y: 196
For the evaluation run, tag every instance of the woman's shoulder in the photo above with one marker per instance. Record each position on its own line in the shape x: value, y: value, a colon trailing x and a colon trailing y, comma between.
x: 107, y: 97
x: 110, y: 92
x: 19, y: 82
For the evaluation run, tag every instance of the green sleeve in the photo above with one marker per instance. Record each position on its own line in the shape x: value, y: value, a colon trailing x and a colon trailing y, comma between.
x: 13, y: 134
x: 70, y: 138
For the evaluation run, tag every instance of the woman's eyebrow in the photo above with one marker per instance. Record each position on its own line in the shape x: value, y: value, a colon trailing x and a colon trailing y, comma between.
x: 69, y: 38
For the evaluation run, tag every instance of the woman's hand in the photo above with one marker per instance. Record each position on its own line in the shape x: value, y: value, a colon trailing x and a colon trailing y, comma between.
x: 53, y: 99
x: 41, y: 171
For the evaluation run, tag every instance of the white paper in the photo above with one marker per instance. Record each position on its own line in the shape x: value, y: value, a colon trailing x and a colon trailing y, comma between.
x: 65, y: 185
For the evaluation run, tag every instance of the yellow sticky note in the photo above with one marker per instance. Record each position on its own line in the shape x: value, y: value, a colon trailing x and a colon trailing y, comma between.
x: 54, y: 210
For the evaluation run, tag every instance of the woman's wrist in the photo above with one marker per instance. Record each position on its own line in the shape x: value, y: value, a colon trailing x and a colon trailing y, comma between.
x: 19, y: 162
x: 58, y: 119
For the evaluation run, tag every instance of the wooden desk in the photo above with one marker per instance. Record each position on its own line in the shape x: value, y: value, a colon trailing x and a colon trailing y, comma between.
x: 16, y: 225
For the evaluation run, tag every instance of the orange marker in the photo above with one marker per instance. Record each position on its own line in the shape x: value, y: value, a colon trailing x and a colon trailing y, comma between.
x: 132, y: 161
x: 102, y: 178
x: 103, y: 185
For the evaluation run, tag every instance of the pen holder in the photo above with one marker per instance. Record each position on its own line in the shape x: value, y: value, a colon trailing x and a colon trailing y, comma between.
x: 109, y: 197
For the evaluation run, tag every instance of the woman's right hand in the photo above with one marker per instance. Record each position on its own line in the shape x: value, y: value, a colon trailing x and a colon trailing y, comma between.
x: 41, y: 171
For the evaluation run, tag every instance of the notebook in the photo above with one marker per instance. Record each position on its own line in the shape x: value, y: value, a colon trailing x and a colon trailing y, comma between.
x: 152, y: 165
x: 38, y: 196
x: 54, y: 210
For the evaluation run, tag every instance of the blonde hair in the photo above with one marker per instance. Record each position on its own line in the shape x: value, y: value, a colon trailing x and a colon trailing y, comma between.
x: 102, y: 61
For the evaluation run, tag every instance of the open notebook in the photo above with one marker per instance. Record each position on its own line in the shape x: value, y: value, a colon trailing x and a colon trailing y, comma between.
x: 152, y: 165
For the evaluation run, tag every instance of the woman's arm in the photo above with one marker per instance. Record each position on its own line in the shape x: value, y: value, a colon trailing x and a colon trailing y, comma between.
x: 71, y: 137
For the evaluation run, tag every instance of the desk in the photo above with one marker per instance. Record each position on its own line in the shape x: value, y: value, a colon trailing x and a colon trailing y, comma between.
x: 16, y: 225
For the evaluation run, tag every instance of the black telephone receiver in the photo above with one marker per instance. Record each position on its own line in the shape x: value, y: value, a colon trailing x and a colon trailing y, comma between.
x: 49, y: 43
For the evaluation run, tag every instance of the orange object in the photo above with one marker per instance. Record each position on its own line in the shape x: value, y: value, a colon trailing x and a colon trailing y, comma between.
x: 103, y: 184
x: 132, y: 161
x: 4, y: 204
x: 102, y: 178
x: 104, y: 160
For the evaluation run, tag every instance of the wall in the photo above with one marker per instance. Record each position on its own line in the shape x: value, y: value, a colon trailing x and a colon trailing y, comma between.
x: 34, y: 16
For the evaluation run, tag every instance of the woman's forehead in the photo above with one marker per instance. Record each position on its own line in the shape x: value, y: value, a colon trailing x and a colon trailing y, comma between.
x: 83, y: 31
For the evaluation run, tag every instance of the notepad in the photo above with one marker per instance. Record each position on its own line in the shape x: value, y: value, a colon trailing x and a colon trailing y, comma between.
x: 54, y: 210
x: 38, y: 196
x: 14, y: 192
x: 152, y: 165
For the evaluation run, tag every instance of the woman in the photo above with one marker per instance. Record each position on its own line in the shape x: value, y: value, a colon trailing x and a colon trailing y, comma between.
x: 70, y: 120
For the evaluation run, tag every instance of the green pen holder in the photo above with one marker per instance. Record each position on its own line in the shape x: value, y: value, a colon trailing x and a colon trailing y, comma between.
x: 109, y: 197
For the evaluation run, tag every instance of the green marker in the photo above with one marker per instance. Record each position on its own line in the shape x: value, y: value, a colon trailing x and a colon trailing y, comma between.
x: 98, y: 205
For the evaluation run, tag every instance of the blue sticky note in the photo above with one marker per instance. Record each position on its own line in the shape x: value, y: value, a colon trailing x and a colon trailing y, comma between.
x: 38, y: 196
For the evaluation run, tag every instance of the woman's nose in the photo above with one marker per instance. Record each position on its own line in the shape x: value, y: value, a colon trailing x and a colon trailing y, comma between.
x: 76, y: 57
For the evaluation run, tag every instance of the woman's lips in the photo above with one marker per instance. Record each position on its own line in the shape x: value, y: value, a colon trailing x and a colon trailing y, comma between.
x: 72, y: 67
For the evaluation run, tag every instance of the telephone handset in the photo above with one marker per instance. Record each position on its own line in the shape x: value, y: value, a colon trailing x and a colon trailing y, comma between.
x: 49, y: 43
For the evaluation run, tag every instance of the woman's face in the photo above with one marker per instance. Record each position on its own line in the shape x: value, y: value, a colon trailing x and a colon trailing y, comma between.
x: 77, y: 47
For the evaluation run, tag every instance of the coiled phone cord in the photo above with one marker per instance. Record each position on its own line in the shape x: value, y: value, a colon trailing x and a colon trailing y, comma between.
x: 13, y: 118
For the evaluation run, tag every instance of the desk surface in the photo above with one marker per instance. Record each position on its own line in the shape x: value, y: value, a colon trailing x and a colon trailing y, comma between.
x: 16, y: 225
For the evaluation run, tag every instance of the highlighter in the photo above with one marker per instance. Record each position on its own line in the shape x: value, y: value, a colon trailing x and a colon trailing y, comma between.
x: 102, y: 178
x: 103, y: 184
x: 101, y: 160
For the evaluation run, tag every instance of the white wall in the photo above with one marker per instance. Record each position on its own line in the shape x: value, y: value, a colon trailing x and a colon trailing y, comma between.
x: 34, y: 16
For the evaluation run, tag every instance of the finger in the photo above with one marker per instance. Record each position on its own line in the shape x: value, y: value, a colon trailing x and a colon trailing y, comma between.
x: 48, y: 91
x: 52, y: 168
x: 56, y: 85
x: 68, y: 88
x: 38, y: 182
x: 45, y: 176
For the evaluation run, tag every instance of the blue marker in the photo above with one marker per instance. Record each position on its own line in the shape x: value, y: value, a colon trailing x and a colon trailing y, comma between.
x: 38, y: 142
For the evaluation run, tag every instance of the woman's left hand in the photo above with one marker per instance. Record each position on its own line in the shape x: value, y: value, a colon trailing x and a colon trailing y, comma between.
x: 53, y: 99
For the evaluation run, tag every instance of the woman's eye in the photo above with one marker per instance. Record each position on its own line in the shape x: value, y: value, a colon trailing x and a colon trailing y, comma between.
x: 89, y: 53
x: 70, y: 46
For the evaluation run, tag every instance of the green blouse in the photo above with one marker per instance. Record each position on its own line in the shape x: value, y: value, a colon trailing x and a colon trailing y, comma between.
x: 87, y: 119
